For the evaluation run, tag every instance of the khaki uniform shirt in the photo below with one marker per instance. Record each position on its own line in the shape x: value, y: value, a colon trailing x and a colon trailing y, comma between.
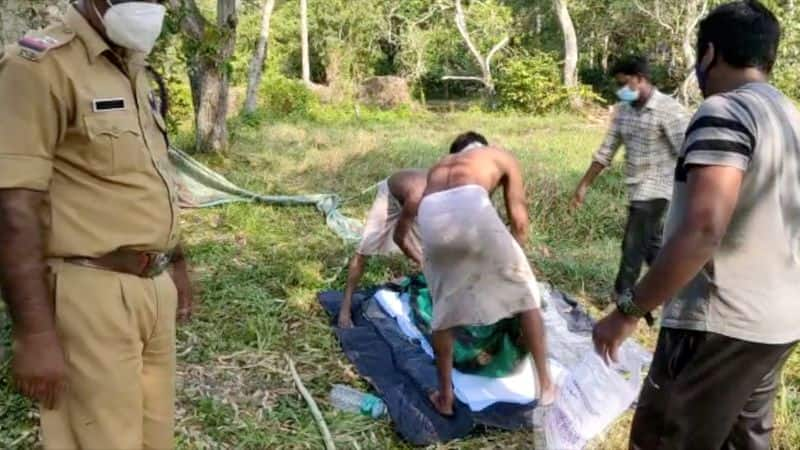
x: 79, y: 122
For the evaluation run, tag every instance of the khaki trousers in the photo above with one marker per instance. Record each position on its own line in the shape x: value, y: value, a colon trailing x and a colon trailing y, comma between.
x: 118, y: 334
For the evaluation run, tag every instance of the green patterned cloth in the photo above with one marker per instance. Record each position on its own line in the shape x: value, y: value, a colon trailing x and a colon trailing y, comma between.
x: 490, y: 351
x: 201, y: 187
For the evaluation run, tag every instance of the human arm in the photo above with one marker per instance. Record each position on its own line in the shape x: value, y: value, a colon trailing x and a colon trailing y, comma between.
x: 354, y: 273
x: 514, y: 194
x: 602, y: 159
x: 594, y: 170
x: 32, y: 121
x: 713, y: 193
x: 38, y: 366
x: 402, y: 233
x: 674, y: 127
x: 183, y: 283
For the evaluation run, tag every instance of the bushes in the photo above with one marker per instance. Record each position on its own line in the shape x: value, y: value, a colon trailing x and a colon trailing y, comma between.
x: 284, y: 97
x: 532, y: 83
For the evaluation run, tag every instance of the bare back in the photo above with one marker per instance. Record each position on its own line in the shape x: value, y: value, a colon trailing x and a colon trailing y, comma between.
x: 406, y: 183
x: 488, y: 167
x: 484, y: 166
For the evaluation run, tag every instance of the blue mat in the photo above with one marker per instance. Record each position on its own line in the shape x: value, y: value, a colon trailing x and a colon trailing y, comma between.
x: 403, y: 375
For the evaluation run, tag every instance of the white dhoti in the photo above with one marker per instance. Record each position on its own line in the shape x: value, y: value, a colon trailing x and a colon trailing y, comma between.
x: 381, y: 222
x: 476, y: 271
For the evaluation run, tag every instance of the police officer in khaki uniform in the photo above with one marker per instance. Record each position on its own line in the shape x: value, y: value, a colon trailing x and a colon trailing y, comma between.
x: 90, y: 262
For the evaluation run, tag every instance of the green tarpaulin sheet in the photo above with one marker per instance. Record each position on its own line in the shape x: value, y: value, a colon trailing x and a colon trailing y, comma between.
x: 201, y: 187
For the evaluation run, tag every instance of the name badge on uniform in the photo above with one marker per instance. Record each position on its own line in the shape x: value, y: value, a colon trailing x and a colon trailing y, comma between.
x: 108, y: 104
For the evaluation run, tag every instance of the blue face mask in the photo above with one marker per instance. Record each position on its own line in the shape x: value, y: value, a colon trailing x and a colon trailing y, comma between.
x: 627, y: 95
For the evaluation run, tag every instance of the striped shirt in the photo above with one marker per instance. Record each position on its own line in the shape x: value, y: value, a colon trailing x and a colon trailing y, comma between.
x: 750, y: 289
x: 652, y: 135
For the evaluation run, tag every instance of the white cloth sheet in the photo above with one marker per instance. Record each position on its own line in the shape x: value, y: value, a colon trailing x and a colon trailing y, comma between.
x: 475, y: 391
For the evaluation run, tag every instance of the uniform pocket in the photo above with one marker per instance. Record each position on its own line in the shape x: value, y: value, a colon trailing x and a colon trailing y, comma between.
x: 116, y: 142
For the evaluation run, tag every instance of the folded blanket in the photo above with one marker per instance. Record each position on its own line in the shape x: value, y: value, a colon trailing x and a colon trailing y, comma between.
x: 477, y: 273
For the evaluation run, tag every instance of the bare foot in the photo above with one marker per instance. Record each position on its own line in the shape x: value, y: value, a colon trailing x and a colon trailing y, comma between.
x: 443, y: 403
x: 548, y: 394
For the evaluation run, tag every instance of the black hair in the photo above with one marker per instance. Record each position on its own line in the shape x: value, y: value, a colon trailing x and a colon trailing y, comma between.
x: 744, y: 34
x: 465, y: 139
x: 632, y: 65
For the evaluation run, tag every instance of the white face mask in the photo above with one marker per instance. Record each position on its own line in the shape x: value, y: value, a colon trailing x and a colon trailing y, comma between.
x: 134, y: 25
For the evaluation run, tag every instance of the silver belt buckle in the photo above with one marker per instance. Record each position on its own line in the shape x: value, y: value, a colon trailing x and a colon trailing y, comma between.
x: 159, y: 263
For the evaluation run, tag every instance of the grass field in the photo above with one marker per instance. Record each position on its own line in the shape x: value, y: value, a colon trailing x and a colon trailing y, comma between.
x: 260, y: 268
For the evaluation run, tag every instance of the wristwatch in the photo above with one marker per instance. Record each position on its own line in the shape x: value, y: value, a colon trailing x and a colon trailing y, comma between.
x: 628, y: 307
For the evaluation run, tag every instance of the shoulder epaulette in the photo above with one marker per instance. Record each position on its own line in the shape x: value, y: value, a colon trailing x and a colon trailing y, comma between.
x: 34, y: 47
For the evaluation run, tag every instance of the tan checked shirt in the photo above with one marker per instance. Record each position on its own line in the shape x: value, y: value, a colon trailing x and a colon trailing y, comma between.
x: 653, y: 136
x: 78, y: 122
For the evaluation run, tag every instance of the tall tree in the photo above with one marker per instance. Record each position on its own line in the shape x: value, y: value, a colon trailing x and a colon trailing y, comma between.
x: 209, y: 47
x: 570, y: 43
x: 259, y: 57
x: 304, y: 41
x: 484, y: 62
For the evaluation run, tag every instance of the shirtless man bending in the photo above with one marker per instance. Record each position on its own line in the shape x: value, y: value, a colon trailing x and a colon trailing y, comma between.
x: 404, y: 186
x: 476, y: 269
x: 379, y: 230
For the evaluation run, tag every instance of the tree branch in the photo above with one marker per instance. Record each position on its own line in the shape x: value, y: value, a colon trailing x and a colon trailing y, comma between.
x: 656, y: 16
x: 496, y: 49
x: 192, y: 21
x: 461, y: 24
x: 463, y: 78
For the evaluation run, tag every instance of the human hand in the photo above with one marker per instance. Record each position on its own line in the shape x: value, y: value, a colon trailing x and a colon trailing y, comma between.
x: 578, y: 198
x: 610, y: 332
x: 39, y: 367
x: 180, y: 276
x: 345, y: 319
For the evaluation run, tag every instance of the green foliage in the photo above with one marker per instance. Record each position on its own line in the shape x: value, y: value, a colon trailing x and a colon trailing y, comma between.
x: 786, y: 75
x: 283, y: 97
x: 532, y: 84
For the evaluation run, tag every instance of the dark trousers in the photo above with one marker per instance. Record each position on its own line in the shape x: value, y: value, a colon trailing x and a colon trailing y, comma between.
x: 642, y: 241
x: 706, y: 391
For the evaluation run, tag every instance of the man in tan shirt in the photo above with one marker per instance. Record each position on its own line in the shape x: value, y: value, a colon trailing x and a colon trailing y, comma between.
x: 88, y: 229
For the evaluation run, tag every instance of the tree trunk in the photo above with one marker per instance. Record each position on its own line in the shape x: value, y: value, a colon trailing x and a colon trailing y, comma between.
x: 605, y: 56
x: 570, y: 43
x: 209, y: 77
x: 689, y: 88
x: 304, y: 41
x: 259, y: 57
x: 17, y: 17
x: 214, y: 82
x: 538, y: 22
x: 210, y: 96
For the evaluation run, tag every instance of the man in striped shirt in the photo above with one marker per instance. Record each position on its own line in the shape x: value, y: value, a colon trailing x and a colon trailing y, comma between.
x: 652, y: 127
x: 729, y: 271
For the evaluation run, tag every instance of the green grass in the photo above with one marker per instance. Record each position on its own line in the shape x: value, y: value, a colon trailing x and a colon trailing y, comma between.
x: 259, y: 269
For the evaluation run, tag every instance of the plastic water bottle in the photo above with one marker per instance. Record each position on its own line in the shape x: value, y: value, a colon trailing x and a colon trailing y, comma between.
x: 345, y: 398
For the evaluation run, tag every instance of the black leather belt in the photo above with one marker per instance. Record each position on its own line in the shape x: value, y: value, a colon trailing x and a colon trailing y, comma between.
x: 132, y: 262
